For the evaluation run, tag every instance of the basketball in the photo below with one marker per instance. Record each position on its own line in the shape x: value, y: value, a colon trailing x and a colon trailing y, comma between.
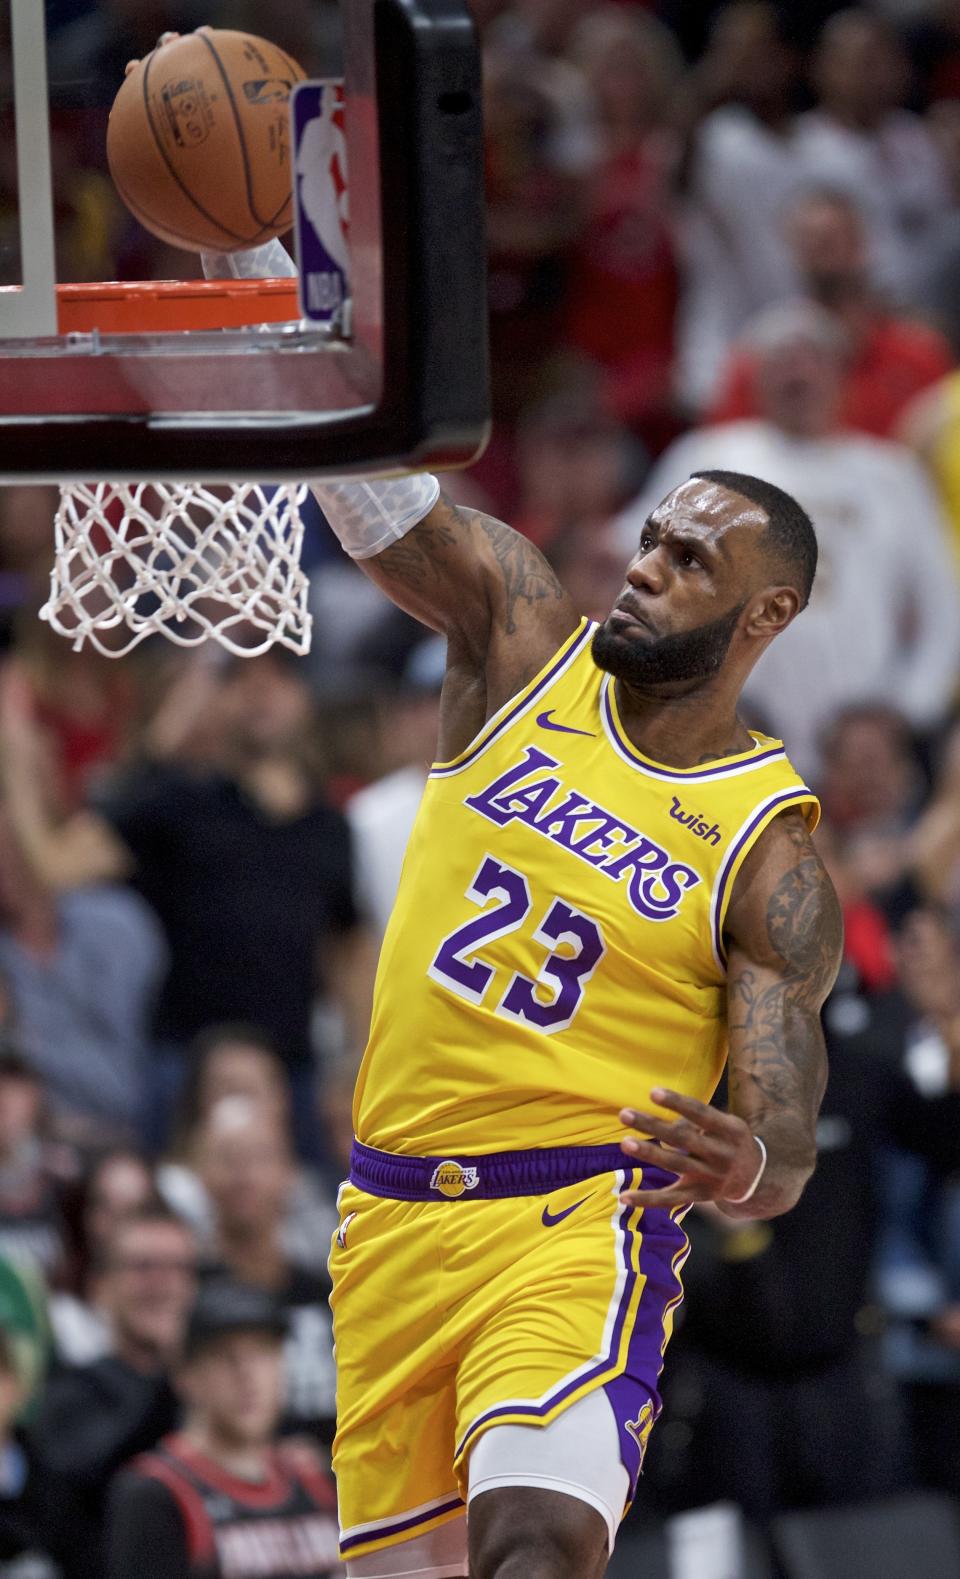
x: 199, y: 141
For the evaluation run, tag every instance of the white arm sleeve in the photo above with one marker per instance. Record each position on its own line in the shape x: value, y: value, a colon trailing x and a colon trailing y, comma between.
x: 270, y: 262
x: 367, y: 516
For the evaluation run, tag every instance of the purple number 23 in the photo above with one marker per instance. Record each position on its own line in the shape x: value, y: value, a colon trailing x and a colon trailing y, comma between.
x: 563, y: 975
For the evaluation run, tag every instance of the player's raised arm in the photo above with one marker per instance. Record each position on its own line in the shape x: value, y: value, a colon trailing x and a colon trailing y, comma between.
x: 784, y: 938
x: 485, y: 587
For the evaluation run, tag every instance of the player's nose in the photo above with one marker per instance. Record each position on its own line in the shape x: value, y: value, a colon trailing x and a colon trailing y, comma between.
x: 648, y: 573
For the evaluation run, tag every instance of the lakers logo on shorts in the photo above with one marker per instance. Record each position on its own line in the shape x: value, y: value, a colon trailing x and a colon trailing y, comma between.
x: 451, y: 1180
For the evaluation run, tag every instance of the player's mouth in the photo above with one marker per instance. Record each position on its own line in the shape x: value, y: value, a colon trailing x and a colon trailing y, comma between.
x: 621, y: 619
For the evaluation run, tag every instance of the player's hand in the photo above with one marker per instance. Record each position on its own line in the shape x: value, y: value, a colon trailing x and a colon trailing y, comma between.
x: 714, y: 1155
x: 165, y: 38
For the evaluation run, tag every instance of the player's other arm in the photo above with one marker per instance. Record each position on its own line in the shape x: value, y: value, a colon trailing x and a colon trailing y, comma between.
x: 784, y: 946
x: 784, y: 938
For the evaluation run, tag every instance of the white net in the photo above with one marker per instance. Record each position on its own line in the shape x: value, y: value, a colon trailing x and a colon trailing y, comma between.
x: 188, y: 562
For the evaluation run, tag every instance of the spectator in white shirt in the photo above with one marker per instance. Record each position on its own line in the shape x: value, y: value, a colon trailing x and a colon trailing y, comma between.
x: 884, y: 620
x: 745, y: 165
x: 859, y: 138
x: 382, y: 815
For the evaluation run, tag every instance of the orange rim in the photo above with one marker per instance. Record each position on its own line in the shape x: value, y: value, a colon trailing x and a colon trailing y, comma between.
x: 165, y: 306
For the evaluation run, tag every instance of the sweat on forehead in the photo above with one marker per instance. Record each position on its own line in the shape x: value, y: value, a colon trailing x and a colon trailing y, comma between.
x: 709, y: 504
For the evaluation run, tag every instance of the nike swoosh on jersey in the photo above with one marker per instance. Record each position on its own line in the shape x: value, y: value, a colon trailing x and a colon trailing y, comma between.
x: 561, y: 729
x: 550, y: 1219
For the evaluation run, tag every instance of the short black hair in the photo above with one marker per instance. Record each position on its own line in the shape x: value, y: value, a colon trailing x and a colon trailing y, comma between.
x: 790, y: 539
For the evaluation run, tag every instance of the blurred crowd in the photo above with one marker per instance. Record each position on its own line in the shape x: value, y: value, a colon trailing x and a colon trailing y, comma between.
x: 721, y: 235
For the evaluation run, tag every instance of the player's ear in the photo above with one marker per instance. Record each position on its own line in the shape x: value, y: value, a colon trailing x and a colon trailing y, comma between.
x: 771, y: 611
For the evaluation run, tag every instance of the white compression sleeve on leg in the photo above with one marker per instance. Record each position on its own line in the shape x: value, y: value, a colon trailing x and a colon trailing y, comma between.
x: 369, y: 516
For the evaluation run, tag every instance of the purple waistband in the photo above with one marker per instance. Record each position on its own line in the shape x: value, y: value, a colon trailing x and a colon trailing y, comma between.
x: 493, y: 1176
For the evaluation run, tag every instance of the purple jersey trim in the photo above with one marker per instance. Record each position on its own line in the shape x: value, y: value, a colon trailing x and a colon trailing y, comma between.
x: 795, y: 796
x: 388, y: 1531
x: 493, y: 1176
x: 644, y: 1357
x: 568, y: 651
x: 733, y: 765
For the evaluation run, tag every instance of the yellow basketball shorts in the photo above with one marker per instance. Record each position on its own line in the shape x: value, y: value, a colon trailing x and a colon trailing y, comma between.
x: 459, y: 1305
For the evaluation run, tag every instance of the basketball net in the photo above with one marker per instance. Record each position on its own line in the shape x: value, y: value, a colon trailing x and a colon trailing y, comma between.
x: 184, y: 561
x: 187, y: 561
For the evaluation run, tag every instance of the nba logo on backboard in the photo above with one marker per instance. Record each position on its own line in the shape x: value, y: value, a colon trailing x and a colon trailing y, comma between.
x: 322, y: 200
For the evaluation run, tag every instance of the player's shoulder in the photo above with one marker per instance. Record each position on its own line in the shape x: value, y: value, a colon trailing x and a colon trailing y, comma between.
x: 784, y: 904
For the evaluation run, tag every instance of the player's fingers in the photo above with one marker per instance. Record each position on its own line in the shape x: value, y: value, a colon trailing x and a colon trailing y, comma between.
x: 702, y: 1114
x: 682, y: 1135
x: 665, y: 1158
x: 166, y: 38
x: 130, y: 66
x: 683, y: 1193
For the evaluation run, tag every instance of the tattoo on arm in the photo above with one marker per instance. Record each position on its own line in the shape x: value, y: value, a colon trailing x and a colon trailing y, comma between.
x: 439, y: 550
x: 525, y: 575
x: 780, y: 1067
x: 420, y: 555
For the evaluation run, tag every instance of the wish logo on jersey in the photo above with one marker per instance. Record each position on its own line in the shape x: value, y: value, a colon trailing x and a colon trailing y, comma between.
x: 528, y: 792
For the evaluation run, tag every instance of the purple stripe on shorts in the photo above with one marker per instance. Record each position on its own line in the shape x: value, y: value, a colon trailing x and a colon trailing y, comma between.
x: 691, y: 776
x: 387, y: 1531
x: 566, y: 652
x: 798, y: 793
x: 644, y: 1358
x: 492, y: 1176
x: 634, y: 1395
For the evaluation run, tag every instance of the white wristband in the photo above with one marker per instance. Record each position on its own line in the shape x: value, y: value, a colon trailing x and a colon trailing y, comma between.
x: 269, y: 262
x: 369, y: 516
x: 366, y: 516
x: 738, y: 1200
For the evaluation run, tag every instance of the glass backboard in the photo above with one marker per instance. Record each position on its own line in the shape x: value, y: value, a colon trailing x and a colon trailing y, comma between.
x: 178, y: 379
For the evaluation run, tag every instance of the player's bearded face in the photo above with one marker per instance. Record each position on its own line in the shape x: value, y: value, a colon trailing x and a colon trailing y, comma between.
x: 641, y: 658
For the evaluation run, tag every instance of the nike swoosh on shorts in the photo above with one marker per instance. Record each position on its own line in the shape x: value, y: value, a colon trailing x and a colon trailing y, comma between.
x: 562, y: 729
x: 550, y: 1219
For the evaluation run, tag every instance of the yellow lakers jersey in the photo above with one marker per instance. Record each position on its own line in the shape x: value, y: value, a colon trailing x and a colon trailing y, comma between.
x: 556, y: 948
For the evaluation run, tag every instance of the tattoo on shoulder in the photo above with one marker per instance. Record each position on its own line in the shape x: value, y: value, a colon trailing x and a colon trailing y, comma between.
x: 526, y: 575
x: 779, y: 1023
x: 804, y: 924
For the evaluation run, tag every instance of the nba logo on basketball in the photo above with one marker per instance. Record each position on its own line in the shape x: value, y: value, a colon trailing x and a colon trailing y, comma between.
x: 451, y: 1180
x: 323, y: 199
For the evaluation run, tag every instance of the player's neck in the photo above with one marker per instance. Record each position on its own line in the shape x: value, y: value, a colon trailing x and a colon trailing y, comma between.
x: 242, y: 1462
x: 682, y: 728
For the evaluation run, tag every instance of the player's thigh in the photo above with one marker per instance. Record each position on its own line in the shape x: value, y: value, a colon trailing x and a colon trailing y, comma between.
x: 562, y: 1488
x: 586, y: 1302
x: 395, y: 1384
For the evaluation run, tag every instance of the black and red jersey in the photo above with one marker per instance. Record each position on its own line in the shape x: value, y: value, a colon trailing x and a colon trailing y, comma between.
x: 175, y: 1514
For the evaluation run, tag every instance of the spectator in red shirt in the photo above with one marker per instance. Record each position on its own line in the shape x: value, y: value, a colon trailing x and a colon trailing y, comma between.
x: 891, y: 358
x: 624, y: 282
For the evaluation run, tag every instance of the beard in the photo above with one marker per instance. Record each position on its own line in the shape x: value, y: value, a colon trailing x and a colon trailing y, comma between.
x: 686, y: 655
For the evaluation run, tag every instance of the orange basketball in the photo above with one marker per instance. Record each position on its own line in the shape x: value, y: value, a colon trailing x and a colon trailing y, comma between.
x: 199, y: 141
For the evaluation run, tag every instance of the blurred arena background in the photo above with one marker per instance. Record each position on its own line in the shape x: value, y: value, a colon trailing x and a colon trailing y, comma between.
x: 720, y: 235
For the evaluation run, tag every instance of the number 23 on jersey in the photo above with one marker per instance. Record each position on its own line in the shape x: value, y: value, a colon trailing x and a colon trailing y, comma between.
x: 573, y: 941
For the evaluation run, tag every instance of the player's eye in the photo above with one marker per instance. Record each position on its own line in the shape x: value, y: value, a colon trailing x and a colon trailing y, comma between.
x: 688, y: 559
x: 646, y: 542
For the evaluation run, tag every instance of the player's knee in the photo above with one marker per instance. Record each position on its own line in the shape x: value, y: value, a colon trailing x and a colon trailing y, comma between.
x: 514, y: 1541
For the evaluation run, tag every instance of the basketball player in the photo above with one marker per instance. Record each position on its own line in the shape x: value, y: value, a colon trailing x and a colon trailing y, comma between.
x: 610, y: 889
x: 609, y: 893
